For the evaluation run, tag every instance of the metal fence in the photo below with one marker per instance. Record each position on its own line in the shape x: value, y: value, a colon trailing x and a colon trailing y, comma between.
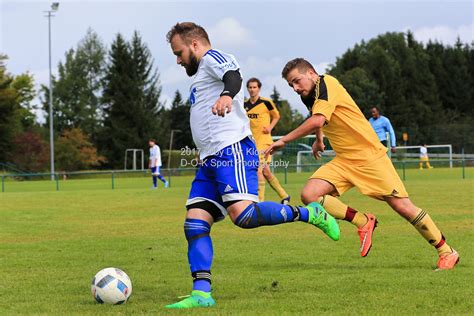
x: 284, y: 170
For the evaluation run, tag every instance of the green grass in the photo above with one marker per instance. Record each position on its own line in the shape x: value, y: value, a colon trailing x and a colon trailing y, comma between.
x: 52, y: 243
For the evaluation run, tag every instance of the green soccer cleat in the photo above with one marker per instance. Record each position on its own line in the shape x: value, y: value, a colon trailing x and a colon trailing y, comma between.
x: 324, y: 221
x: 196, y: 299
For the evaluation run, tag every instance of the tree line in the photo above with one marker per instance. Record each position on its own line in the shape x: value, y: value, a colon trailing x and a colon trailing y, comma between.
x: 106, y: 100
x: 427, y: 91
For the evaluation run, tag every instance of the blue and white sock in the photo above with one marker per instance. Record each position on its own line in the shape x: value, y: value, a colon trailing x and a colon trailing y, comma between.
x: 200, y: 252
x: 270, y: 213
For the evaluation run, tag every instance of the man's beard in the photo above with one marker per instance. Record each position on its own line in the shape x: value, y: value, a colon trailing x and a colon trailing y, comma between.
x: 193, y: 65
x: 310, y: 98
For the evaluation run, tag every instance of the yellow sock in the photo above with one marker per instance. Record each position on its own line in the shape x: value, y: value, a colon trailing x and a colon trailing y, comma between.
x: 341, y: 211
x: 261, y: 191
x: 428, y: 164
x: 275, y: 184
x: 427, y: 228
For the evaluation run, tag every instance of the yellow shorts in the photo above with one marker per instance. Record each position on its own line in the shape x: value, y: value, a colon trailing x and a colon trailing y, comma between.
x: 424, y: 159
x: 261, y: 156
x: 377, y: 178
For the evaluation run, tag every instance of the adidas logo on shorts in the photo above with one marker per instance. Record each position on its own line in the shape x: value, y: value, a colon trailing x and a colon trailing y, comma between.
x: 228, y: 188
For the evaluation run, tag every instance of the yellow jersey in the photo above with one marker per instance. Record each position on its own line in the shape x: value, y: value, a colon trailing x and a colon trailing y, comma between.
x: 260, y: 114
x: 348, y: 131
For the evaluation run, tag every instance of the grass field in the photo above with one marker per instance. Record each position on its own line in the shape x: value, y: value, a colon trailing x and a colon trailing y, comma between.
x: 52, y: 243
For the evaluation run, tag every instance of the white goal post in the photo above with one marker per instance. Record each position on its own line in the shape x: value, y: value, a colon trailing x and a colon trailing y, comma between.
x: 304, y: 150
x: 416, y: 154
x: 134, y: 159
x: 299, y: 155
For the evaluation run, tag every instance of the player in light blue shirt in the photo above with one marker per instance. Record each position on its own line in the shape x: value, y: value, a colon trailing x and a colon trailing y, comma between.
x: 382, y: 126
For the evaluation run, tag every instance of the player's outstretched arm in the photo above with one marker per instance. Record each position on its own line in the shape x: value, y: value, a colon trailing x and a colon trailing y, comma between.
x: 308, y: 127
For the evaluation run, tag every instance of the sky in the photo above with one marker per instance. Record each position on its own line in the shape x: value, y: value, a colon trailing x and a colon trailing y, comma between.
x: 262, y: 35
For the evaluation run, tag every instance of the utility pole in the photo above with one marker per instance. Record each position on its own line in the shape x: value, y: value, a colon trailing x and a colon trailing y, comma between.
x: 54, y: 8
x: 171, y: 145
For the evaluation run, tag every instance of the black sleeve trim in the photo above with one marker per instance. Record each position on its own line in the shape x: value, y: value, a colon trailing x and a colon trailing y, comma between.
x: 268, y: 104
x: 323, y: 89
x: 232, y: 83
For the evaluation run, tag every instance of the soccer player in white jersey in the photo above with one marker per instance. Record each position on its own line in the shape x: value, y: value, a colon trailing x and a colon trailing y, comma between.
x: 155, y: 163
x: 226, y: 182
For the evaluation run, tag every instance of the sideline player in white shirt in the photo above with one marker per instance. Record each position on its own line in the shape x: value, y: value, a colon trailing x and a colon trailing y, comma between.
x: 226, y: 181
x: 155, y: 163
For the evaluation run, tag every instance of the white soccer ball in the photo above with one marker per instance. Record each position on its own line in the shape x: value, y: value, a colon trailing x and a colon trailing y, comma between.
x: 111, y: 286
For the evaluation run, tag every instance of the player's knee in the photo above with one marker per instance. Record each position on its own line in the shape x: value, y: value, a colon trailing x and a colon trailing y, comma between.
x: 196, y: 228
x: 248, y: 218
x: 267, y: 173
x: 309, y: 196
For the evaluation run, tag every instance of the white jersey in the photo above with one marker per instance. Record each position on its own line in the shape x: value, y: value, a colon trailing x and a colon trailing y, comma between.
x: 423, y: 152
x: 155, y: 156
x: 212, y: 133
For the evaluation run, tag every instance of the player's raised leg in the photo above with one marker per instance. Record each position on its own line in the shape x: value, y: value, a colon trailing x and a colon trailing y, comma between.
x: 247, y: 214
x: 239, y: 185
x: 320, y: 190
x: 421, y: 220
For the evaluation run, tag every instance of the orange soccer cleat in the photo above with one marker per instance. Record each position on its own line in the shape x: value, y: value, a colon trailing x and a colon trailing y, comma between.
x: 365, y: 234
x: 448, y: 261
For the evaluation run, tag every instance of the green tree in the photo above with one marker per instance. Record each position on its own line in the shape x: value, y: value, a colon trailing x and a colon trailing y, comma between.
x: 179, y: 119
x: 396, y: 71
x: 8, y: 105
x: 130, y: 98
x: 90, y: 56
x: 362, y: 88
x: 289, y: 118
x: 24, y: 84
x: 76, y: 91
x: 16, y: 116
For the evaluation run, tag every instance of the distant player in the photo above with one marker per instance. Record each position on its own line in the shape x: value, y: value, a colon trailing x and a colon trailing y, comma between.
x: 155, y: 163
x: 226, y: 182
x: 263, y: 115
x: 360, y: 160
x: 382, y: 126
x: 424, y: 157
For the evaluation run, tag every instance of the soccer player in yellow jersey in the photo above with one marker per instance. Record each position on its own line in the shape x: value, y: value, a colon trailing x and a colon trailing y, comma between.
x: 360, y: 160
x: 263, y: 115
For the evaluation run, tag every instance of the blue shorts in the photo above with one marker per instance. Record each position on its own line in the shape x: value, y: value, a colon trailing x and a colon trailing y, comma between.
x: 229, y: 175
x: 155, y: 170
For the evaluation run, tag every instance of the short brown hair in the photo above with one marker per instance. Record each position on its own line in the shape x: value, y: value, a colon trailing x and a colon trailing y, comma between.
x: 152, y: 140
x: 253, y: 79
x: 300, y: 63
x: 188, y: 31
